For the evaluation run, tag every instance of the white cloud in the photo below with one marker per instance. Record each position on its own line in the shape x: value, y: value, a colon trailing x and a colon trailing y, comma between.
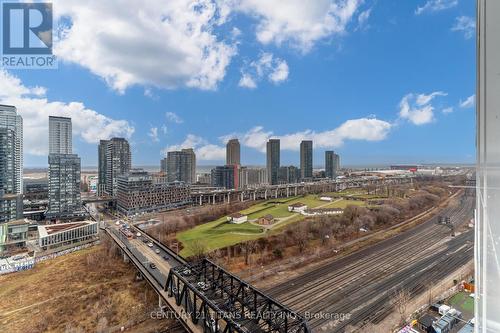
x: 448, y: 110
x: 280, y: 72
x: 274, y: 69
x: 363, y: 19
x: 165, y: 44
x: 178, y: 43
x: 469, y: 102
x: 417, y: 108
x: 174, y: 118
x: 256, y: 138
x: 436, y: 6
x: 247, y: 81
x: 35, y: 108
x: 365, y: 129
x: 466, y: 25
x: 153, y: 134
x: 298, y: 22
x: 423, y: 99
x: 204, y: 150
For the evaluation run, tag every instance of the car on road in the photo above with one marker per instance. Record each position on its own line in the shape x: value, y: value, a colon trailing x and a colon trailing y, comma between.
x: 157, y: 251
x: 203, y: 286
x: 166, y: 258
x: 138, y: 234
x: 145, y: 240
x: 152, y: 265
x: 186, y: 272
x: 150, y: 244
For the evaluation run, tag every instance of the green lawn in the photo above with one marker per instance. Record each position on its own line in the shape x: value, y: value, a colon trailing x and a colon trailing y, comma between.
x: 358, y: 193
x: 280, y: 209
x: 219, y: 233
x: 464, y: 303
x: 344, y: 203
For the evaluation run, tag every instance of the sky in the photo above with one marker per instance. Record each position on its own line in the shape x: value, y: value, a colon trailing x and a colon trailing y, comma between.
x: 379, y: 82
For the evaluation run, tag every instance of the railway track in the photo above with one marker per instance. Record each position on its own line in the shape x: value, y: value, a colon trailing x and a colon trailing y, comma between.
x: 363, y: 283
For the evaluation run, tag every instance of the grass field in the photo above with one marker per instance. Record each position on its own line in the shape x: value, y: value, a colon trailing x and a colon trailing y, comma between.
x: 356, y: 192
x: 219, y: 233
x: 73, y: 293
x: 464, y: 303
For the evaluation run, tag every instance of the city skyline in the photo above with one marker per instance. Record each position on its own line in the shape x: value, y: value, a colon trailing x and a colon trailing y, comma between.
x: 369, y: 109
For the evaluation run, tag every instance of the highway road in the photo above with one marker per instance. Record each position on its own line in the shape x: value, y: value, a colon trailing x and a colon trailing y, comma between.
x: 163, y: 260
x: 359, y: 288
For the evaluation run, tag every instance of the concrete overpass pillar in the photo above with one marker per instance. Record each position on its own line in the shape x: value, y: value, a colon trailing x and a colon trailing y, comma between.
x: 254, y: 195
x: 265, y: 195
x: 213, y: 200
x: 295, y: 190
x: 201, y: 200
x: 287, y: 191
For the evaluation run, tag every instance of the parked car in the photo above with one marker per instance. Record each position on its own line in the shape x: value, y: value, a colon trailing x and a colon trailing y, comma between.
x: 157, y: 251
x: 138, y: 234
x: 152, y: 265
x: 150, y: 244
x: 166, y: 258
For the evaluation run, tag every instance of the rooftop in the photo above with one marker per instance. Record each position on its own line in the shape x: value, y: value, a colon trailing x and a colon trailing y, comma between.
x: 297, y: 204
x: 46, y: 230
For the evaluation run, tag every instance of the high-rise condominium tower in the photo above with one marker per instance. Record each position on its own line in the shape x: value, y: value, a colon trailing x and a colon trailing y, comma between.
x: 273, y: 160
x: 332, y: 164
x: 114, y: 159
x: 64, y: 171
x: 181, y: 166
x: 11, y: 163
x: 60, y: 135
x: 306, y: 159
x: 233, y: 152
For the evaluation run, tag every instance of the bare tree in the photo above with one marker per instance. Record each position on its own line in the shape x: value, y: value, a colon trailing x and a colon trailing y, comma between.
x: 301, y: 238
x: 401, y: 300
x: 198, y: 248
x: 248, y: 248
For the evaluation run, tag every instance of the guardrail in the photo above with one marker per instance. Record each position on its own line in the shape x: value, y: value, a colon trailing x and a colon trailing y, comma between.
x: 153, y: 281
x: 177, y: 257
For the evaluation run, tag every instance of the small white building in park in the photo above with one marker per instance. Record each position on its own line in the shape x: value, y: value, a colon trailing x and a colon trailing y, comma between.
x: 326, y: 199
x: 237, y: 218
x: 322, y: 211
x: 297, y: 207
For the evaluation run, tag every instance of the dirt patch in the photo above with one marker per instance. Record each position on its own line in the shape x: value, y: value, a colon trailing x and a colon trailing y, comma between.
x: 92, y: 290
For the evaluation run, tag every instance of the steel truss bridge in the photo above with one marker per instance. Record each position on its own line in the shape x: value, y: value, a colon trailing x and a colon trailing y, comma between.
x: 204, y: 296
x: 225, y: 303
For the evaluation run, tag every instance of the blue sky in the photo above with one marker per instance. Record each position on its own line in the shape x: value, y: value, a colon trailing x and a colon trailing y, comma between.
x: 376, y: 81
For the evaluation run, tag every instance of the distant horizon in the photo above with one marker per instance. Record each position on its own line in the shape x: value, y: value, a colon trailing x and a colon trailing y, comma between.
x: 316, y: 167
